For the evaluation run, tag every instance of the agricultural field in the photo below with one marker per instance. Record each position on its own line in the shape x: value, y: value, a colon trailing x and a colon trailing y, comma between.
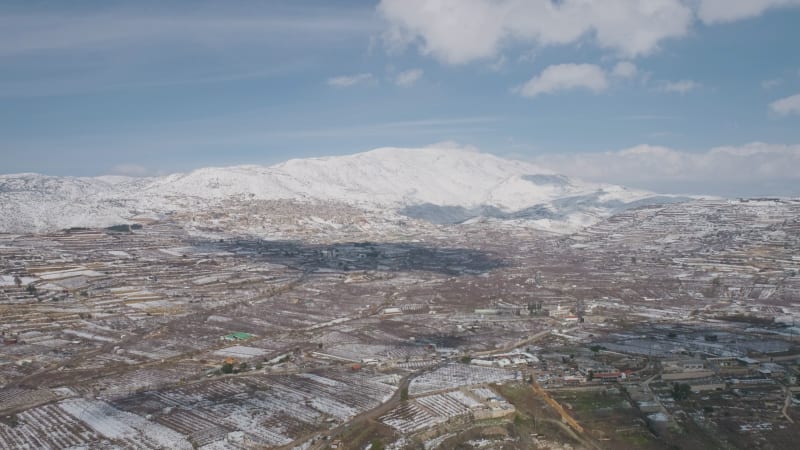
x: 668, y: 324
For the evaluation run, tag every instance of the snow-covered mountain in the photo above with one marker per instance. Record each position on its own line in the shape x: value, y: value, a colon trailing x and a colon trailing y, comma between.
x: 441, y: 184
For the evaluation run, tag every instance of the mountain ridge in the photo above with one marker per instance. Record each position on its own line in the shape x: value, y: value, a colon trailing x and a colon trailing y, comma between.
x: 414, y: 182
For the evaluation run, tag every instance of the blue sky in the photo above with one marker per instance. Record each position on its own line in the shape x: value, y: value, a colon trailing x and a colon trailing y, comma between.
x: 688, y: 96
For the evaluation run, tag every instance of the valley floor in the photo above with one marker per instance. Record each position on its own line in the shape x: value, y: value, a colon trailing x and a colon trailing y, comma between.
x: 668, y: 326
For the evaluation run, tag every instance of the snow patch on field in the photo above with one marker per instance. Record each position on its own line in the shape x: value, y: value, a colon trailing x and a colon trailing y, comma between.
x: 454, y: 375
x: 8, y: 280
x: 61, y: 274
x: 90, y: 336
x: 241, y: 352
x: 120, y: 425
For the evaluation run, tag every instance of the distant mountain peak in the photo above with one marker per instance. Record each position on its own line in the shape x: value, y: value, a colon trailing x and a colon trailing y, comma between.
x: 417, y: 181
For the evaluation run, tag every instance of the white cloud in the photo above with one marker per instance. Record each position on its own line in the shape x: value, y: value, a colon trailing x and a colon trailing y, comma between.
x: 680, y: 87
x: 717, y: 11
x: 350, y: 80
x: 564, y: 77
x: 625, y: 69
x: 786, y: 106
x: 408, y: 77
x: 771, y: 83
x: 661, y: 167
x: 461, y: 31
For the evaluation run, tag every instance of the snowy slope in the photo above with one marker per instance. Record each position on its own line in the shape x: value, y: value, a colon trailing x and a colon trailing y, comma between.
x: 388, y: 176
x: 33, y: 202
x: 423, y: 183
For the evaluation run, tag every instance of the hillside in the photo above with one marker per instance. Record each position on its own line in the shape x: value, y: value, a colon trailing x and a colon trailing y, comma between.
x: 437, y: 184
